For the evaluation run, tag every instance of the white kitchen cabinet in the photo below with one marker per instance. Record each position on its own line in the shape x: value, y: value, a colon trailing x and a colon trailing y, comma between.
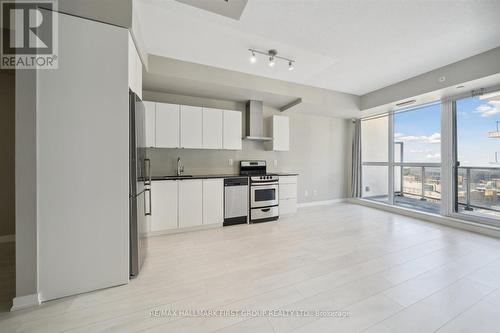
x: 150, y: 123
x: 212, y: 128
x: 167, y: 125
x: 191, y: 127
x: 280, y: 132
x: 164, y: 201
x: 190, y: 203
x: 288, y: 195
x: 232, y: 130
x: 213, y: 201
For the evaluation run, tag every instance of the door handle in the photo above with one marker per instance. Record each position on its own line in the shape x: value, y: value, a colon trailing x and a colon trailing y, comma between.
x: 147, y: 213
x: 147, y: 167
x: 265, y: 209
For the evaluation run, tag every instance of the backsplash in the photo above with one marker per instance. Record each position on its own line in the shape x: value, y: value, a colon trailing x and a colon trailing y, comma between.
x: 202, y: 161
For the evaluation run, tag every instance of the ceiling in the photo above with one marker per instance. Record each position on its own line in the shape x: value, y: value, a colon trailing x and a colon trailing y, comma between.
x: 351, y: 46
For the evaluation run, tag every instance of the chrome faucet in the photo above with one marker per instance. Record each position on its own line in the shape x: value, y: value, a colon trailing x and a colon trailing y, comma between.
x: 180, y: 167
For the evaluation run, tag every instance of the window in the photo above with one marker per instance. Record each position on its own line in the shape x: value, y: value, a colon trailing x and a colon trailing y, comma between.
x: 417, y: 158
x: 477, y: 189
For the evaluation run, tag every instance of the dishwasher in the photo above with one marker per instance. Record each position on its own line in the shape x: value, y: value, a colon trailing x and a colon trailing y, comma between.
x: 235, y: 200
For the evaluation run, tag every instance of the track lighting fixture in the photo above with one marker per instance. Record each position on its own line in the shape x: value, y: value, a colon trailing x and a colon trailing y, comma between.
x: 273, y: 55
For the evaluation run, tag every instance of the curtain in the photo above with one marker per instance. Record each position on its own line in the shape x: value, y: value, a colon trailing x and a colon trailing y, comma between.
x: 356, y: 160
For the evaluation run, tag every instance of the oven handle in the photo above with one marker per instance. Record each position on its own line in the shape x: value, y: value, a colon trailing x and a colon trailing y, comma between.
x: 265, y: 186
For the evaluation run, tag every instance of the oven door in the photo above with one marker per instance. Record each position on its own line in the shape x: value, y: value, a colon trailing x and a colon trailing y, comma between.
x: 264, y: 195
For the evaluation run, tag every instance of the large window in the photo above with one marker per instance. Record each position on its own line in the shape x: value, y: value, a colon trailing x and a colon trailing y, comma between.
x: 417, y: 158
x: 478, y: 156
x: 441, y: 158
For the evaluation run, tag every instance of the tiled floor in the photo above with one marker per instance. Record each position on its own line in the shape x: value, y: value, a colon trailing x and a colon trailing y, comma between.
x: 389, y: 273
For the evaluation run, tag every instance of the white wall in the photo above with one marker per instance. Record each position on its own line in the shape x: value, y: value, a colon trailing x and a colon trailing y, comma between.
x: 83, y: 161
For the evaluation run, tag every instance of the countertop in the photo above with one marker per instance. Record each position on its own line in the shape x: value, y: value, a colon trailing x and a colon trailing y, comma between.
x: 215, y: 176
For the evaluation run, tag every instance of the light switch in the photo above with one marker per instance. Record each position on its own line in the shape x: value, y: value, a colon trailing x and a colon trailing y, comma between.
x: 230, y: 162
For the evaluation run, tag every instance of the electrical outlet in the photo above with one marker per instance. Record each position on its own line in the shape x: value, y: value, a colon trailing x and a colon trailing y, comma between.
x: 367, y: 188
x: 230, y: 162
x: 275, y: 163
x: 315, y: 192
x: 306, y: 193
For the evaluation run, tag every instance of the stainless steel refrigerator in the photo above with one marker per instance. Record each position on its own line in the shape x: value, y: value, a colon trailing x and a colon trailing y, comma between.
x: 139, y: 184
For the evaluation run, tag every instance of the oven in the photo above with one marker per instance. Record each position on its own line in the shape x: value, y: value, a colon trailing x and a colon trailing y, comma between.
x: 263, y: 194
x: 264, y: 191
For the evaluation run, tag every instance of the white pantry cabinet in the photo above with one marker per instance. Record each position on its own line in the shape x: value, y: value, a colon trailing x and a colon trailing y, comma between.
x: 150, y: 124
x: 288, y: 194
x: 167, y: 125
x: 164, y: 205
x: 232, y: 130
x: 190, y: 194
x: 191, y: 126
x: 213, y: 201
x: 280, y: 129
x: 212, y: 128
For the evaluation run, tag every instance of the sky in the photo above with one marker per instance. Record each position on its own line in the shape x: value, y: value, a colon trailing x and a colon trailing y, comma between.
x: 420, y: 132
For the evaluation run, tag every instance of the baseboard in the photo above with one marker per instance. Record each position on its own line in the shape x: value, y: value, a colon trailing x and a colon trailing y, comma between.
x: 24, y: 302
x: 7, y: 238
x: 320, y: 203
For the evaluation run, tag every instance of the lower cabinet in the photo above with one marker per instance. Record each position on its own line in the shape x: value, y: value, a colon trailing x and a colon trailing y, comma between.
x: 288, y: 194
x: 164, y: 205
x: 213, y: 201
x: 178, y: 204
x: 190, y: 203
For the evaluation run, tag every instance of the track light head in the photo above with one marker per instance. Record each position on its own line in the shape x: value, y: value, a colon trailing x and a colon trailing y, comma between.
x: 253, y: 58
x: 291, y: 65
x: 271, y: 61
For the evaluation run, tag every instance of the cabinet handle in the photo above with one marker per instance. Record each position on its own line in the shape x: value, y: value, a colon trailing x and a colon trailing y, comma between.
x: 147, y: 167
x: 148, y: 213
x: 265, y: 209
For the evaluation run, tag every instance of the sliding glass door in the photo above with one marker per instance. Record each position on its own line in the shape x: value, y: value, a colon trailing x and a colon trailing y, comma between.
x: 417, y: 158
x: 477, y: 154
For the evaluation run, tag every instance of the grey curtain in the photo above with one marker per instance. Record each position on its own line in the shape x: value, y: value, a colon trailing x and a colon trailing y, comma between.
x: 356, y: 160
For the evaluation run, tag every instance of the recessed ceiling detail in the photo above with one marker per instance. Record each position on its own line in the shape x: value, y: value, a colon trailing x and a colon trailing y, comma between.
x: 228, y: 8
x: 344, y: 45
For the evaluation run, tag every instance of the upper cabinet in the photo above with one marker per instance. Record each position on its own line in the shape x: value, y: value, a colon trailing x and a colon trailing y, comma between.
x: 232, y: 130
x: 167, y: 125
x: 134, y: 68
x: 280, y: 129
x: 191, y: 127
x: 212, y: 128
x: 150, y: 123
x: 194, y: 127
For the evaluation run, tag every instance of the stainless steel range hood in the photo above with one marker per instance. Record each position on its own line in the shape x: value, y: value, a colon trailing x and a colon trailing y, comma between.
x: 255, y: 121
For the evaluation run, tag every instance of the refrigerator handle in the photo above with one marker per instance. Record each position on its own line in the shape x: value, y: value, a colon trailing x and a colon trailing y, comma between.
x: 147, y: 166
x: 147, y: 212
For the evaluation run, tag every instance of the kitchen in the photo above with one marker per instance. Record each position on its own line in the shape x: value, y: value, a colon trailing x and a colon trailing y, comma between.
x: 231, y: 166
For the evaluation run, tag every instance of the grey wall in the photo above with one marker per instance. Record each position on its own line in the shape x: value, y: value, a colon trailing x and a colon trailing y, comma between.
x: 26, y: 201
x: 7, y: 171
x: 319, y: 149
x: 476, y: 67
x: 117, y: 12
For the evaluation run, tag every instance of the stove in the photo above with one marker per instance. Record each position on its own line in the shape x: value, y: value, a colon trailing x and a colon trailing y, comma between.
x: 264, y: 191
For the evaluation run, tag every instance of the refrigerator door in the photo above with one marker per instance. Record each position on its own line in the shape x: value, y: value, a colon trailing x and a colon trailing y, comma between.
x: 139, y: 206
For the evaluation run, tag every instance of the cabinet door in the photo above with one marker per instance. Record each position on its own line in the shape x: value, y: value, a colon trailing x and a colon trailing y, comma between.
x: 213, y: 201
x: 150, y: 123
x: 138, y: 74
x: 232, y: 130
x: 191, y: 127
x: 212, y: 128
x: 281, y: 133
x: 167, y: 125
x: 190, y: 203
x: 164, y: 205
